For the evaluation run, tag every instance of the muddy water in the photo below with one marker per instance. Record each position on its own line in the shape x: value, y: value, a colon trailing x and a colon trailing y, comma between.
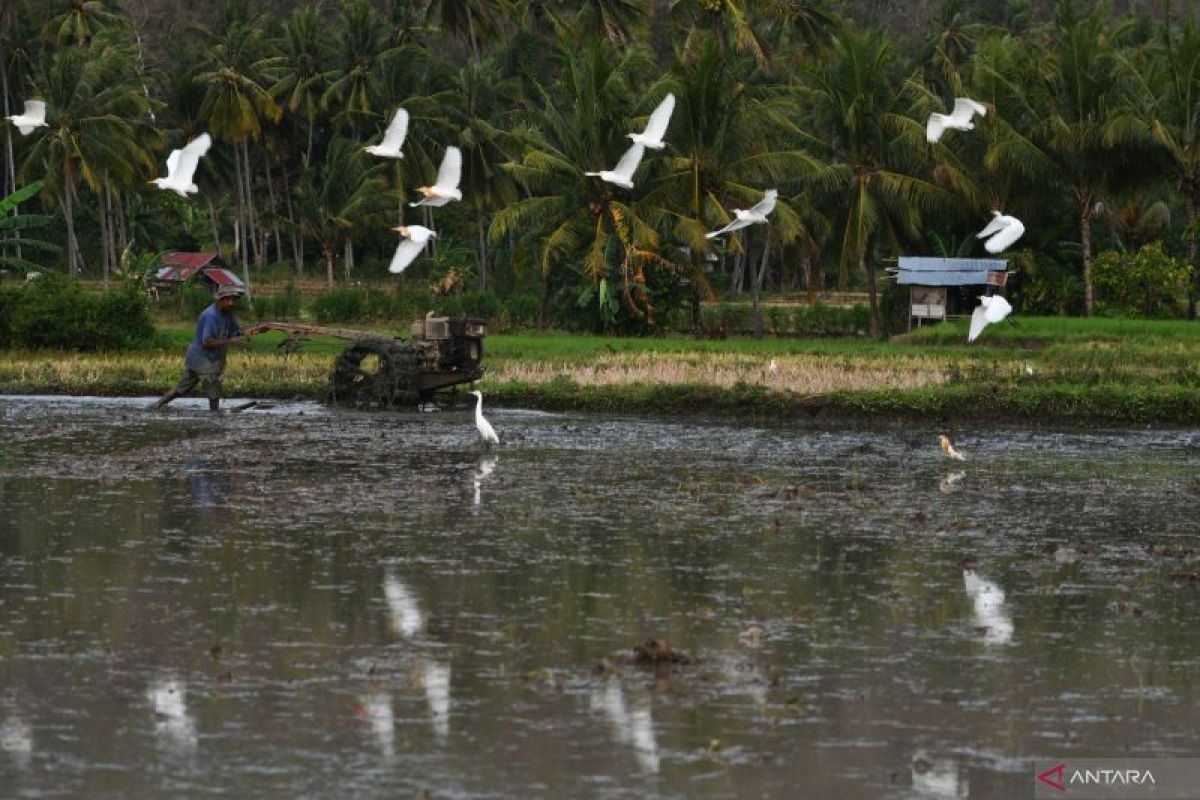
x: 293, y: 602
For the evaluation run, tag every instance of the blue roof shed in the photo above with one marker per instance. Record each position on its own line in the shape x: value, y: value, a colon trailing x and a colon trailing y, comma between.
x: 924, y: 271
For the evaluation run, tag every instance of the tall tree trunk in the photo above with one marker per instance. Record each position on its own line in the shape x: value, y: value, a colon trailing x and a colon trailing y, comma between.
x: 810, y: 285
x: 872, y: 297
x: 328, y: 253
x: 1191, y: 200
x: 660, y: 32
x: 10, y: 165
x: 74, y: 261
x: 482, y: 255
x: 251, y: 213
x: 433, y: 247
x: 1085, y: 236
x: 240, y: 249
x: 212, y: 221
x: 112, y: 228
x: 238, y: 236
x: 274, y: 212
x: 297, y: 241
x: 739, y: 270
x: 123, y: 238
x: 758, y: 286
x: 308, y: 149
x: 471, y: 33
x: 105, y: 252
x: 348, y: 259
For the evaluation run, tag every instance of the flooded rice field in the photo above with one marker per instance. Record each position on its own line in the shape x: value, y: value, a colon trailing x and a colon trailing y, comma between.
x: 293, y: 601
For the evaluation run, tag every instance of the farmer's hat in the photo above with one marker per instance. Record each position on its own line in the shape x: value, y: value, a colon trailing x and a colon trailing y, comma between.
x: 230, y: 291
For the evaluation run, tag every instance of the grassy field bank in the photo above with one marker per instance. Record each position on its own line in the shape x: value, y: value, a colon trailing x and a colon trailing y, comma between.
x: 1041, y: 369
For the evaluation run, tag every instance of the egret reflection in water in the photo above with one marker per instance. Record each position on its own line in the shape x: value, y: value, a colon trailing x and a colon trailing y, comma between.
x: 16, y: 740
x: 435, y: 678
x: 406, y: 616
x: 631, y: 727
x: 173, y: 723
x: 487, y: 465
x: 938, y: 778
x: 377, y: 708
x: 988, y: 609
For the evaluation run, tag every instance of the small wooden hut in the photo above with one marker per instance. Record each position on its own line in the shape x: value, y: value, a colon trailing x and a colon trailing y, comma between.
x: 930, y: 280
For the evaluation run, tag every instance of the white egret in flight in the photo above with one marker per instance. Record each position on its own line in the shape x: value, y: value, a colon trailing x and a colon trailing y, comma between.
x: 754, y: 215
x: 414, y: 241
x: 1003, y: 230
x: 622, y: 173
x: 959, y: 119
x: 990, y: 309
x: 181, y: 166
x: 652, y: 136
x: 393, y: 137
x: 445, y: 187
x: 33, y: 118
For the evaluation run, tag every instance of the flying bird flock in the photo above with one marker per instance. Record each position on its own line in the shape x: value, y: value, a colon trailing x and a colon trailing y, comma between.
x: 999, y: 234
x: 182, y: 163
x: 652, y: 138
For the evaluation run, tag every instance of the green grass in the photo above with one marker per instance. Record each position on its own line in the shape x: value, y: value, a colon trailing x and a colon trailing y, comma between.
x: 1041, y: 369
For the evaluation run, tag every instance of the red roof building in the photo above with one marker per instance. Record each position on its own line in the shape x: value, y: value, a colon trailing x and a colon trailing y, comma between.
x: 207, y: 268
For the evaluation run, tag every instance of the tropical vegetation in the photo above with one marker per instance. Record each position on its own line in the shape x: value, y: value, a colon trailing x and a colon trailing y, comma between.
x: 1092, y: 137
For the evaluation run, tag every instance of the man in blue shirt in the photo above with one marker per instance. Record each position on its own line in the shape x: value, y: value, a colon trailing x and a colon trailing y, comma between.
x: 216, y: 330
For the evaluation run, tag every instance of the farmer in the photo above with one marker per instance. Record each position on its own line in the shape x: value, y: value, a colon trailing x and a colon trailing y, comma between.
x: 216, y: 330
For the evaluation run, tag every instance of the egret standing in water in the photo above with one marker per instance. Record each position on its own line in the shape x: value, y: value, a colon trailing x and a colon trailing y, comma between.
x: 486, y: 431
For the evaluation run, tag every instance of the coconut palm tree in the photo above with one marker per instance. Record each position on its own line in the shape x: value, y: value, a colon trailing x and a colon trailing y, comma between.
x: 237, y: 104
x: 1084, y: 128
x: 576, y: 218
x: 75, y: 22
x: 347, y: 193
x: 98, y: 130
x: 1164, y: 89
x: 482, y: 95
x: 872, y: 172
x: 469, y: 20
x: 729, y: 140
x: 727, y: 19
x: 299, y: 72
x: 359, y: 57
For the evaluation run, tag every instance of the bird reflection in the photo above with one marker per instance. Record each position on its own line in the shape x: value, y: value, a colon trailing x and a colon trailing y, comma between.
x: 17, y: 740
x: 950, y: 482
x: 631, y: 728
x: 436, y: 679
x: 212, y: 492
x: 378, y: 709
x: 486, y: 465
x: 989, y: 610
x: 937, y: 777
x: 407, y: 619
x: 173, y: 725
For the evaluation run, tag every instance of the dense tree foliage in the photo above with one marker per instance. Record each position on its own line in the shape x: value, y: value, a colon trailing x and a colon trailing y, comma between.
x: 1091, y: 137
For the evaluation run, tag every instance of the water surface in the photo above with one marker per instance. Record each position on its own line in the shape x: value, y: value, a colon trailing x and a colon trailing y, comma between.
x: 293, y: 601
